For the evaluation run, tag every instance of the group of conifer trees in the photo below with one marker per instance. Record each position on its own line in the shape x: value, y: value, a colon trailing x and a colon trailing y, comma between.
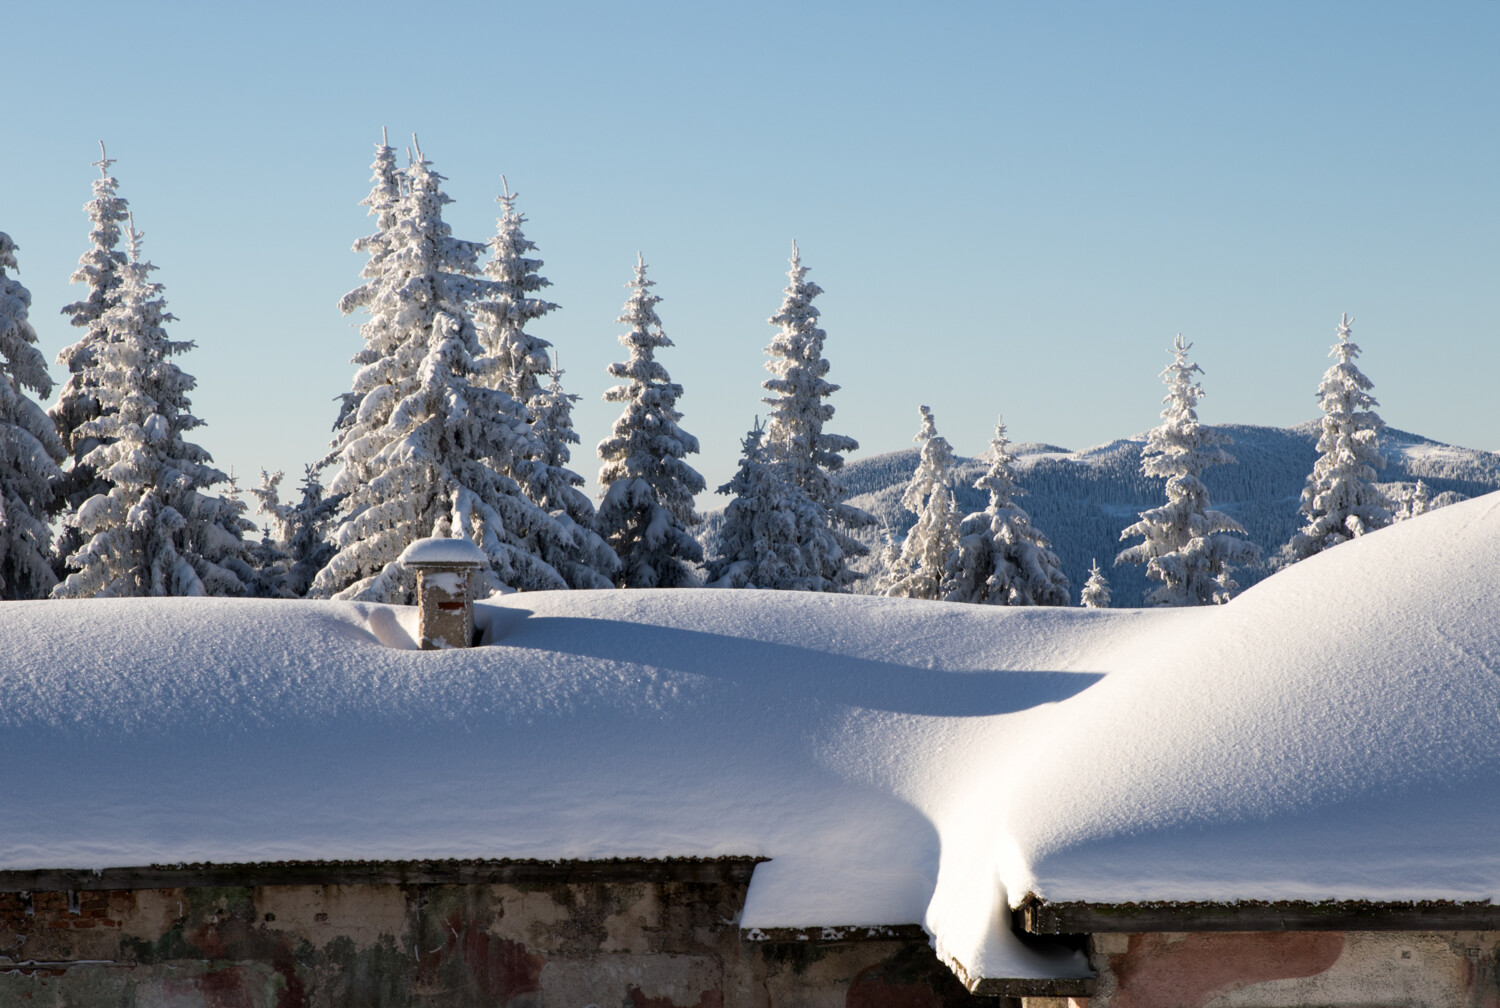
x: 996, y: 556
x: 456, y: 425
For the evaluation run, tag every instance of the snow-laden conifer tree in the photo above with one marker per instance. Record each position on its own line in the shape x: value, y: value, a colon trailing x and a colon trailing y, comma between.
x: 759, y: 544
x: 101, y: 268
x: 885, y: 560
x: 1415, y: 501
x: 423, y: 448
x: 919, y: 570
x: 1186, y: 546
x: 582, y: 557
x: 519, y: 358
x: 647, y: 506
x: 29, y: 446
x: 387, y: 188
x: 157, y: 529
x: 268, y: 562
x: 1095, y: 594
x: 1001, y: 558
x: 1341, y: 500
x: 296, y: 542
x: 795, y: 434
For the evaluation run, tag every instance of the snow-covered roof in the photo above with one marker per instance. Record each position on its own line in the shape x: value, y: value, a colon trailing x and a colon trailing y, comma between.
x: 1334, y: 733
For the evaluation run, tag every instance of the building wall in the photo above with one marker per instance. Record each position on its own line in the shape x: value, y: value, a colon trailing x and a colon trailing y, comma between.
x: 637, y: 944
x: 1293, y: 969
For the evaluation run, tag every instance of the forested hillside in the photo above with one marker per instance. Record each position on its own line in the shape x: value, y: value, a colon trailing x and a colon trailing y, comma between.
x: 1083, y: 500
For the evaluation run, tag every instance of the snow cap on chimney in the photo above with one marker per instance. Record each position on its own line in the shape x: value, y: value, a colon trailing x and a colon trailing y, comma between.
x: 445, y: 590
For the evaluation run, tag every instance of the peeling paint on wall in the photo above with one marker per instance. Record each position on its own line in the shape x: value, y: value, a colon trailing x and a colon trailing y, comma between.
x: 634, y: 944
x: 1278, y: 969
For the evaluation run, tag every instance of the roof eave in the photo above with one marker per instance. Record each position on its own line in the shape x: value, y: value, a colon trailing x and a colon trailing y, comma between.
x: 1038, y: 916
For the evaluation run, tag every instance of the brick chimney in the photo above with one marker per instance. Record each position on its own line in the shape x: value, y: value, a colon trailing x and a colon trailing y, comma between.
x: 445, y: 590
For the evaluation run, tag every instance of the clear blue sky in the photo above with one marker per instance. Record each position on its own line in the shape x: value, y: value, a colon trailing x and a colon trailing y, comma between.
x: 1012, y: 207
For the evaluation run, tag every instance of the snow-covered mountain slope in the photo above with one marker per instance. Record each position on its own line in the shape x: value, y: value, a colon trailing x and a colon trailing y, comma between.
x: 1330, y: 734
x: 1083, y: 500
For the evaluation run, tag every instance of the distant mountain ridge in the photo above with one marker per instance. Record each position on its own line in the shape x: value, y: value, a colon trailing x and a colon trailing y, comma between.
x: 1083, y: 500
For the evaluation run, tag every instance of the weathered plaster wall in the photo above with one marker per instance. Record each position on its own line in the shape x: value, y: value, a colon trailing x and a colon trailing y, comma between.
x: 1267, y: 969
x: 648, y: 944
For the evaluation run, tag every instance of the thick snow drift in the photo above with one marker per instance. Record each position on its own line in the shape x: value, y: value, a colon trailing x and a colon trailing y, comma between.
x: 1334, y: 733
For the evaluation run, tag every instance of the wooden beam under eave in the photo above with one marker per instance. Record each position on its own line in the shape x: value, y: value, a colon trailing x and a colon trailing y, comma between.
x: 476, y: 871
x: 1038, y: 916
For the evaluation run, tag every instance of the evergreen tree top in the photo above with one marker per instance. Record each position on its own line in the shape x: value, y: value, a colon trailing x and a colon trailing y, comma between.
x: 640, y: 314
x: 936, y: 459
x: 652, y: 414
x: 798, y: 314
x: 1344, y: 388
x: 1341, y: 500
x: 1181, y: 446
x: 1345, y: 349
x: 141, y: 386
x: 416, y: 271
x: 999, y: 479
x: 510, y: 265
x: 430, y: 245
x: 385, y: 189
x: 796, y: 357
x: 798, y: 407
x: 1096, y: 593
x: 519, y: 359
x: 642, y: 340
x: 100, y: 266
x: 750, y: 445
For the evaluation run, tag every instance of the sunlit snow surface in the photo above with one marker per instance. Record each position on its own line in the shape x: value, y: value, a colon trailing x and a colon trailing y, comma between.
x: 1333, y: 733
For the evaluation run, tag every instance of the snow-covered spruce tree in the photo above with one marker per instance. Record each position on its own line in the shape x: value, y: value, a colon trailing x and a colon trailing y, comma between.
x: 29, y: 446
x: 268, y: 562
x: 156, y: 530
x: 925, y: 555
x: 1414, y: 502
x: 758, y: 545
x: 647, y: 506
x: 1095, y: 594
x: 519, y: 358
x: 423, y: 449
x: 795, y: 432
x: 582, y: 557
x: 295, y: 544
x: 516, y: 361
x: 1341, y: 500
x: 100, y: 268
x: 386, y: 191
x: 1001, y: 558
x: 1186, y: 546
x: 885, y: 560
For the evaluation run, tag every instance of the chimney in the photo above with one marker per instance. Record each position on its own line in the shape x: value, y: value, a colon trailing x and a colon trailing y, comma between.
x: 445, y: 590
